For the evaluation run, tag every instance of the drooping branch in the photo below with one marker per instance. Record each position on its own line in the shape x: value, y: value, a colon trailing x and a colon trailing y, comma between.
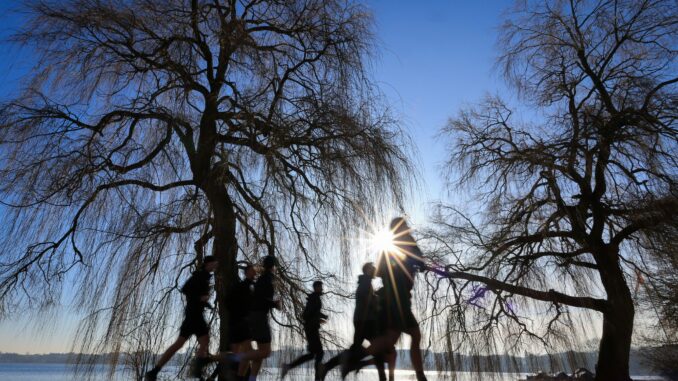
x: 545, y: 296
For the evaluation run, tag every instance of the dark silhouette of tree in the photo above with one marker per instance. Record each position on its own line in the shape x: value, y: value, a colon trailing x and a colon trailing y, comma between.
x: 567, y: 194
x: 150, y: 132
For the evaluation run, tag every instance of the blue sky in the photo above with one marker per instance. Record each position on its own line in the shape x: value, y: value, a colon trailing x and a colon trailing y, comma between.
x: 433, y: 58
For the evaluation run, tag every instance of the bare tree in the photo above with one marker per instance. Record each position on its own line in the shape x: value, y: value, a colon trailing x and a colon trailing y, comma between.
x: 567, y: 194
x: 152, y: 131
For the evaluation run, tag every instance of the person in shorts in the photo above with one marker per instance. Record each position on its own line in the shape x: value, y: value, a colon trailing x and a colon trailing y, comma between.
x: 196, y: 290
x: 262, y: 303
x: 367, y: 316
x: 239, y: 308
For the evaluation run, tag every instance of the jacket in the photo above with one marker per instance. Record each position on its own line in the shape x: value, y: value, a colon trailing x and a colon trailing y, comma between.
x: 312, y: 312
x: 365, y: 300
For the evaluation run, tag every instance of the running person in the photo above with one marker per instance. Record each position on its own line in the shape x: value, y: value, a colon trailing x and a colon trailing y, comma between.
x: 239, y: 308
x: 366, y: 317
x: 313, y: 317
x: 397, y: 270
x: 260, y: 330
x: 390, y: 355
x: 196, y: 289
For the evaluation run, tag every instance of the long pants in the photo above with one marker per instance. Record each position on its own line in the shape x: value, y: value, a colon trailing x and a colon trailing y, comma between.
x: 362, y: 330
x: 315, y: 349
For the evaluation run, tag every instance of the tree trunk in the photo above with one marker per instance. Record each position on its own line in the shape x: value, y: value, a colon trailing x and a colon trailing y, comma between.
x: 225, y: 250
x: 615, y: 344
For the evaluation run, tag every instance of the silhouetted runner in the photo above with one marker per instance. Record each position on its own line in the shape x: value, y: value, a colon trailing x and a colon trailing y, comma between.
x: 196, y: 289
x: 260, y: 330
x: 397, y: 270
x: 313, y: 317
x: 389, y: 356
x: 366, y: 323
x: 240, y: 337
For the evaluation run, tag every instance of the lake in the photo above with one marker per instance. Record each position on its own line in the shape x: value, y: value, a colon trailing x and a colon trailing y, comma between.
x: 64, y: 372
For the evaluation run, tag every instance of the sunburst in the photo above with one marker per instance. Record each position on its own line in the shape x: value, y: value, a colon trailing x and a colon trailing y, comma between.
x: 383, y: 241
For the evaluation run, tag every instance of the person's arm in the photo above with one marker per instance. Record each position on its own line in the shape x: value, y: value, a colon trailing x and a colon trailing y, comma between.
x: 321, y: 315
x: 264, y: 291
x: 270, y: 291
x: 204, y: 289
x: 190, y: 288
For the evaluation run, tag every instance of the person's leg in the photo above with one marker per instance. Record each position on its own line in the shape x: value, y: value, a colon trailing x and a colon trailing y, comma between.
x: 415, y: 351
x: 391, y: 359
x: 379, y: 364
x: 318, y: 366
x: 369, y: 333
x: 378, y: 346
x: 261, y: 334
x: 313, y: 346
x: 166, y: 356
x: 241, y: 336
x: 202, y: 331
x: 201, y: 355
x: 382, y: 344
x: 300, y: 360
x: 331, y: 364
x: 415, y: 348
x: 243, y: 366
x: 174, y: 348
x: 203, y: 346
x: 262, y: 352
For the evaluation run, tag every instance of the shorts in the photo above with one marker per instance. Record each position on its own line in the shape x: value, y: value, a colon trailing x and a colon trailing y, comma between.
x: 239, y: 330
x: 400, y: 319
x: 259, y: 328
x: 365, y: 330
x: 194, y: 324
x: 314, y: 345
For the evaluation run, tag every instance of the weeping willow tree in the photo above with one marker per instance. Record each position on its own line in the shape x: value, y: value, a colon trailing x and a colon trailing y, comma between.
x: 149, y: 133
x: 661, y: 297
x: 564, y: 198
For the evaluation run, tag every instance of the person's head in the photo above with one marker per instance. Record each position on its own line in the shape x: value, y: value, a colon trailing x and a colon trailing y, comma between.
x: 249, y: 271
x: 369, y: 269
x: 269, y: 263
x: 399, y: 225
x: 318, y: 287
x: 210, y: 263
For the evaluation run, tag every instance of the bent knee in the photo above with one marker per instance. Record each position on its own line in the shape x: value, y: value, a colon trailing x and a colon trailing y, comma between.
x: 265, y: 352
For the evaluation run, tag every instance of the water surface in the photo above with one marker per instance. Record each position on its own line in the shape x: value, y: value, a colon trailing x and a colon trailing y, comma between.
x: 65, y: 372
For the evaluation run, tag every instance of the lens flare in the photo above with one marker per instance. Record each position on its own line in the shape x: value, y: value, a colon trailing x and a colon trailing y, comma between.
x: 383, y: 241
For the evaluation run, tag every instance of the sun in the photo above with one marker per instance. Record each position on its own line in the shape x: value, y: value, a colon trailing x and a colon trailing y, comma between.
x: 383, y: 240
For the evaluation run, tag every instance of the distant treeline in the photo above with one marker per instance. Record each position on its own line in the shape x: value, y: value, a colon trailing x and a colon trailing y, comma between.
x: 528, y: 363
x: 50, y: 358
x: 504, y: 363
